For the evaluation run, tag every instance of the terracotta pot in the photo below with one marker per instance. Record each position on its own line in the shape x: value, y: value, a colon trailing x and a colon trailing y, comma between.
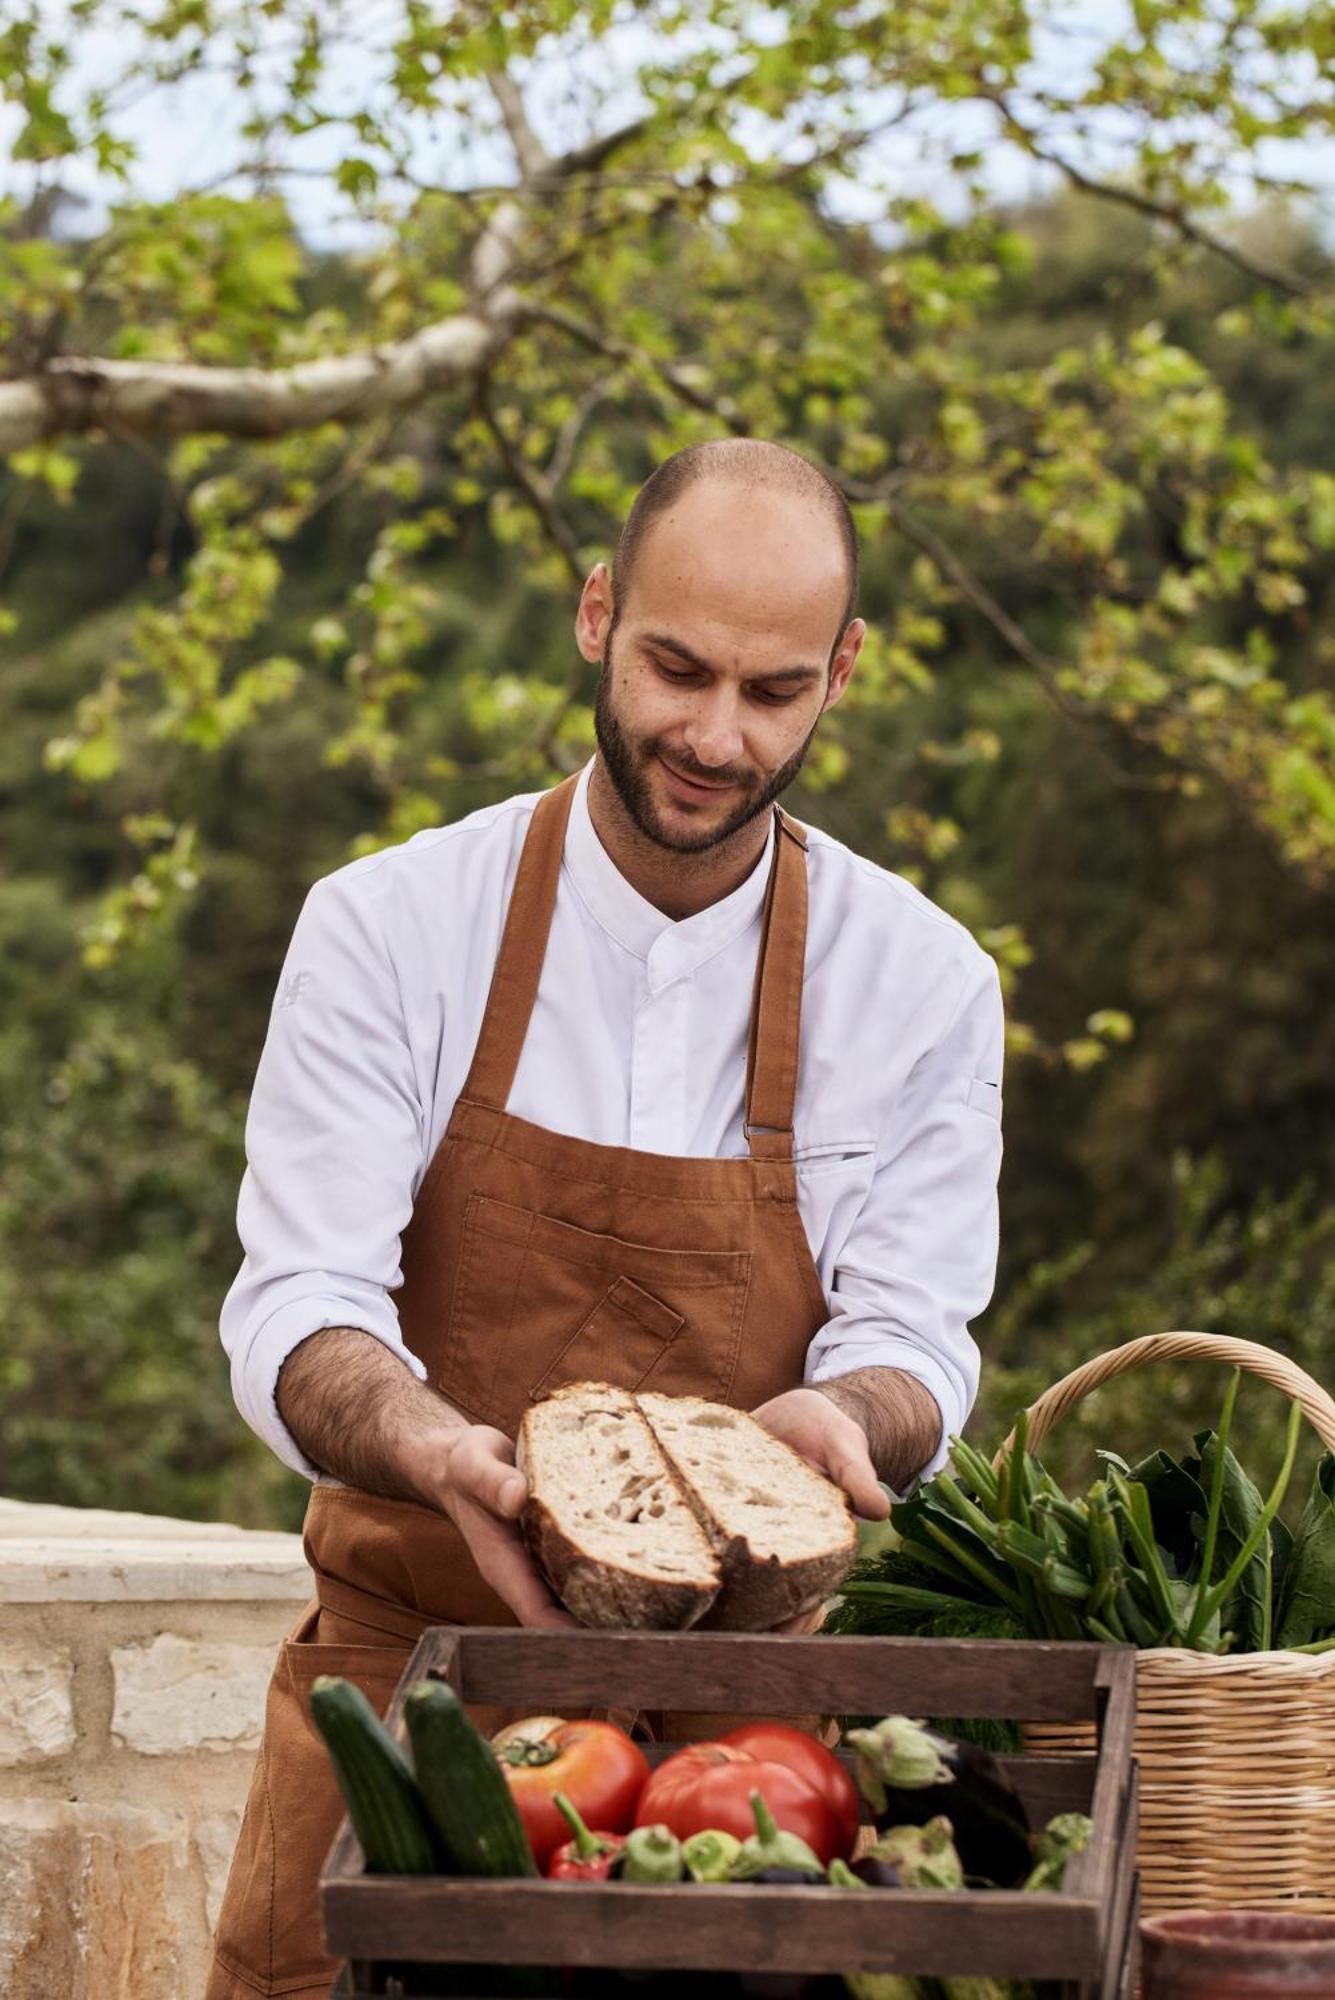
x: 1237, y: 1955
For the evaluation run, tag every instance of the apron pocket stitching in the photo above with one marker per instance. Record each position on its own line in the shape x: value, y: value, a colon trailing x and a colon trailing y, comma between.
x: 617, y: 1305
x: 633, y: 1187
x: 626, y: 1295
x: 738, y: 1318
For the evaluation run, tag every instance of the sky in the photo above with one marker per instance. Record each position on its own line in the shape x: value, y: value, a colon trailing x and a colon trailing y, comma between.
x: 189, y: 136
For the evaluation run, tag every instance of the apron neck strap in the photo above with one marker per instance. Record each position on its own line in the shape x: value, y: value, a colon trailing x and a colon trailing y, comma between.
x: 776, y: 1002
x: 514, y: 983
x: 774, y: 1044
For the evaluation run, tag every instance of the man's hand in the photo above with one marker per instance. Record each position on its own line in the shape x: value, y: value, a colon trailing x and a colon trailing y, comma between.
x: 829, y: 1439
x: 357, y: 1412
x: 896, y: 1429
x: 483, y: 1494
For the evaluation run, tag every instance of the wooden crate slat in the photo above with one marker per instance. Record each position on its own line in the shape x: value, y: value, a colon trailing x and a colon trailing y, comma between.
x: 1120, y: 1916
x: 765, y: 1673
x: 763, y: 1929
x: 1094, y: 1871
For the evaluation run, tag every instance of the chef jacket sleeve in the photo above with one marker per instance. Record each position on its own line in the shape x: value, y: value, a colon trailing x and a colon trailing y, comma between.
x: 334, y: 1140
x: 920, y: 1260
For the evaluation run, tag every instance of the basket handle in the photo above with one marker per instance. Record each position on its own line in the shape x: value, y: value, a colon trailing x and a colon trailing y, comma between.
x: 1317, y: 1406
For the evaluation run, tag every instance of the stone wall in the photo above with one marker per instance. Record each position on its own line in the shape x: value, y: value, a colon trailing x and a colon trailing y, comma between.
x: 134, y: 1655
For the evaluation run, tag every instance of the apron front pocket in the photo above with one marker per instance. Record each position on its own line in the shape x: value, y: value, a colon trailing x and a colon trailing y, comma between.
x: 539, y: 1302
x: 623, y: 1340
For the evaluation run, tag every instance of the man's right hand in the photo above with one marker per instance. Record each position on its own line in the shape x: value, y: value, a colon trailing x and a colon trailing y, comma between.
x: 360, y: 1414
x: 483, y: 1493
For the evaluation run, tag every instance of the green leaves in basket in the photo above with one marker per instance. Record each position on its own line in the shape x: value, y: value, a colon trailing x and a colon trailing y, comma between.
x: 1177, y: 1503
x: 1166, y: 1552
x: 1245, y: 1611
x: 1306, y: 1610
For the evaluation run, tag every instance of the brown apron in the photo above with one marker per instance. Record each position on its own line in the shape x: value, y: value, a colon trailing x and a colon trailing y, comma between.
x: 531, y: 1259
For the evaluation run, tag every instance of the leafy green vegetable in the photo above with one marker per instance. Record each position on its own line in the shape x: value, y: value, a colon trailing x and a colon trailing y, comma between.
x: 1166, y: 1552
x: 1246, y: 1609
x: 1306, y: 1610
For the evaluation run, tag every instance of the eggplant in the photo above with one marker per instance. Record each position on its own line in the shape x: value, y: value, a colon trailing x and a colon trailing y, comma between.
x: 876, y: 1873
x: 909, y: 1774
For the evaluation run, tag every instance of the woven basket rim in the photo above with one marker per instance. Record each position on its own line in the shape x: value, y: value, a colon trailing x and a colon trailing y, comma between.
x: 1280, y: 1661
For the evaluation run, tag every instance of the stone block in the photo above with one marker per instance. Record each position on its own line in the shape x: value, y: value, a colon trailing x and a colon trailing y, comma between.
x: 189, y: 1694
x: 36, y: 1705
x: 215, y: 1840
x: 91, y: 1902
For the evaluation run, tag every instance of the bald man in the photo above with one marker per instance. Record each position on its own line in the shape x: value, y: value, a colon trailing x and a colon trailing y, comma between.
x: 637, y: 1080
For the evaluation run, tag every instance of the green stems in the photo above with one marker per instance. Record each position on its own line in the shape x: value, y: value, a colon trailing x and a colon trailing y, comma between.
x: 1214, y: 1599
x: 1216, y: 1496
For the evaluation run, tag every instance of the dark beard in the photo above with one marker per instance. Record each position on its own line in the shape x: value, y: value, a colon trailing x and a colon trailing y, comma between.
x: 625, y: 767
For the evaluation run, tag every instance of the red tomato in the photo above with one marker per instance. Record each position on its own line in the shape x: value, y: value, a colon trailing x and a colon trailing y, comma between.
x: 594, y: 1763
x: 710, y: 1785
x: 780, y: 1743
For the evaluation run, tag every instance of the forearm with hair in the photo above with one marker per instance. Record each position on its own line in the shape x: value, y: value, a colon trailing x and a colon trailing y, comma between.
x: 900, y: 1416
x: 358, y: 1413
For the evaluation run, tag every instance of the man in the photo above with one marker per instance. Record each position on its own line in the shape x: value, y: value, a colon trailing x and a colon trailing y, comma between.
x: 634, y: 1080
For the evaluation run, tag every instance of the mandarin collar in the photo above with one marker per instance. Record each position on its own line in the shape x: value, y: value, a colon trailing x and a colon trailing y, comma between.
x: 670, y: 948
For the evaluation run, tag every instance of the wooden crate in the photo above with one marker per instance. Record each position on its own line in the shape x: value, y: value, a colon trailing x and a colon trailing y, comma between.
x: 1079, y: 1938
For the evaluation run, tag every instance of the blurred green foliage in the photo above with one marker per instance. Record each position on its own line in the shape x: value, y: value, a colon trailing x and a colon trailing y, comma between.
x: 1087, y: 442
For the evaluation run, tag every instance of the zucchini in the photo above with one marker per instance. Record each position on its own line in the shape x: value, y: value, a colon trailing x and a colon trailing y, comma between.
x: 384, y: 1804
x: 469, y: 1802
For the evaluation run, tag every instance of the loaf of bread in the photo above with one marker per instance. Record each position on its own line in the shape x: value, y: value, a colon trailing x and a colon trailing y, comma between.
x: 662, y: 1512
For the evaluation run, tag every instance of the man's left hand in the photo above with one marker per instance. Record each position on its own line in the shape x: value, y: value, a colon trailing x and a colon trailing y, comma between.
x: 830, y: 1440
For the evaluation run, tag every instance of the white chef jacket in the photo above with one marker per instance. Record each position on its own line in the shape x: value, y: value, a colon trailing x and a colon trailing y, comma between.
x: 638, y: 1038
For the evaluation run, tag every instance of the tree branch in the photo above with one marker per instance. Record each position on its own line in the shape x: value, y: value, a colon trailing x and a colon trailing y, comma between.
x: 530, y: 152
x: 173, y: 399
x: 536, y: 487
x: 1171, y: 212
x: 76, y: 394
x: 620, y: 350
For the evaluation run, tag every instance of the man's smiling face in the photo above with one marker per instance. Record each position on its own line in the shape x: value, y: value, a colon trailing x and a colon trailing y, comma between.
x: 717, y: 666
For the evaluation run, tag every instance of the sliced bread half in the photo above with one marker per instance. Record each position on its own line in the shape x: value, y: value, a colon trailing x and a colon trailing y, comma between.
x: 607, y: 1521
x: 662, y: 1512
x: 785, y: 1534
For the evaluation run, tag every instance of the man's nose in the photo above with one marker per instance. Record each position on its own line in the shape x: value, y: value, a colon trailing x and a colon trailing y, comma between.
x: 714, y: 734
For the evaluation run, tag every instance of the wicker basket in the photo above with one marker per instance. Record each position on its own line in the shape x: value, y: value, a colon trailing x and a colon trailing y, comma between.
x: 1236, y: 1751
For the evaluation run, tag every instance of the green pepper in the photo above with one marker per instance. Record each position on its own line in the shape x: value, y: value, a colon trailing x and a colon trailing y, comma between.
x: 771, y: 1855
x: 651, y: 1854
x: 709, y: 1856
x: 887, y: 1986
x: 841, y: 1876
x: 1062, y: 1837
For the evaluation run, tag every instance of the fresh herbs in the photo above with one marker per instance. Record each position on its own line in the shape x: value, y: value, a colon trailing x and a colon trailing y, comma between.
x: 1166, y: 1552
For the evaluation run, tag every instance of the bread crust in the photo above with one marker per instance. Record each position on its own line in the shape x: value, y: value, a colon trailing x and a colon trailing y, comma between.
x: 752, y: 1594
x: 760, y: 1592
x: 597, y: 1592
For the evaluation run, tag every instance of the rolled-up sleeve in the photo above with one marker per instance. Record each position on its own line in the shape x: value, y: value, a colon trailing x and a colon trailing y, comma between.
x: 334, y: 1140
x: 920, y: 1260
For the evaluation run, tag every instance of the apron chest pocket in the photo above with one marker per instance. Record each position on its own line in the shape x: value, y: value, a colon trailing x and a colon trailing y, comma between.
x: 539, y: 1302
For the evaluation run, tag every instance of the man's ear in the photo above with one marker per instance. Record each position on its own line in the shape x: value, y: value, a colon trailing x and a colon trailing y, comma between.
x: 594, y: 616
x: 842, y: 665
